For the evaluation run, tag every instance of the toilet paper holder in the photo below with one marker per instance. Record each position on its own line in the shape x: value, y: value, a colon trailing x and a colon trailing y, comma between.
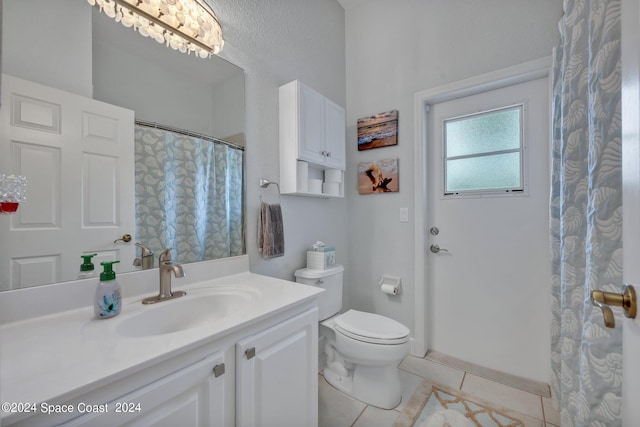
x: 390, y: 285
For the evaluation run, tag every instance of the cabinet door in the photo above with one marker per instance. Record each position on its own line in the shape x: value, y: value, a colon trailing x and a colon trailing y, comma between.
x: 334, y: 135
x: 311, y: 121
x: 193, y: 396
x: 277, y: 375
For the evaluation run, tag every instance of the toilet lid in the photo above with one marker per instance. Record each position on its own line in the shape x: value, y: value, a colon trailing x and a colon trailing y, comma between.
x: 372, y: 328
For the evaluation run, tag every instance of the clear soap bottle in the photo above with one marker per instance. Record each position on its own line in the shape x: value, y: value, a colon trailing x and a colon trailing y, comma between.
x: 107, y: 301
x: 87, y: 269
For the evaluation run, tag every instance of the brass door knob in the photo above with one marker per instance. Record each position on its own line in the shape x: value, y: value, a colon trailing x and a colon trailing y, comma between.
x: 626, y: 300
x: 126, y: 238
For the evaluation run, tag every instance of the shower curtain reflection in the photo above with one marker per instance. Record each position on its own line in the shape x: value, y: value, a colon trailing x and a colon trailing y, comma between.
x: 189, y: 195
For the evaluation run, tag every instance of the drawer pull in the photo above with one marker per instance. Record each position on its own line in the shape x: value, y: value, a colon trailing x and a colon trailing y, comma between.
x: 218, y: 370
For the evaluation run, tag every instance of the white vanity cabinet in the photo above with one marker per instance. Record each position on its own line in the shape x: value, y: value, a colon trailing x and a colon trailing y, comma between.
x: 192, y: 396
x: 261, y: 374
x: 276, y: 379
x: 312, y: 129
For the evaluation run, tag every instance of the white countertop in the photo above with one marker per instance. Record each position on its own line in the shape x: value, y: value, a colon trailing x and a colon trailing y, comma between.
x: 66, y: 354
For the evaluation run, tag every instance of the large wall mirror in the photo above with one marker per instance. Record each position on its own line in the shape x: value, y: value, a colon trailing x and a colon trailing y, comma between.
x: 188, y: 139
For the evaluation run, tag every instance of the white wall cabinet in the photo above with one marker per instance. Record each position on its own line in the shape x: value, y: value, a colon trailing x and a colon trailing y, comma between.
x: 276, y: 370
x: 312, y: 129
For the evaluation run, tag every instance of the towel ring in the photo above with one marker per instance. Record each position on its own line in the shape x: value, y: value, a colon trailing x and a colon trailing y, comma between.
x: 264, y: 183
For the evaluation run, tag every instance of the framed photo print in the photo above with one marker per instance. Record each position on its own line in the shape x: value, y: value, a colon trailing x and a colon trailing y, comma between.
x: 380, y: 130
x: 380, y: 176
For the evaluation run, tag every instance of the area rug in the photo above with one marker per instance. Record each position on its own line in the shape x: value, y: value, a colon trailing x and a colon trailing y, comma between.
x: 438, y: 406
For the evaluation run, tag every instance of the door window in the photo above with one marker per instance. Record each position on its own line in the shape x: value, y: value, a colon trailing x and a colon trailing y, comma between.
x: 483, y: 152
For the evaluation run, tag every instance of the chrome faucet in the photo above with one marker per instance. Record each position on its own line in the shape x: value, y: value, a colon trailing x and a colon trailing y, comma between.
x: 146, y: 258
x: 166, y: 267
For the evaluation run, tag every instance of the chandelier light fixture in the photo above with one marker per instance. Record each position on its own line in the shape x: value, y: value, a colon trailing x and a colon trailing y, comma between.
x: 184, y: 25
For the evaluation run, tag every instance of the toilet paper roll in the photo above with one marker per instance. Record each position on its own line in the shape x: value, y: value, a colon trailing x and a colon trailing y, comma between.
x: 302, y: 176
x: 333, y: 175
x: 389, y: 289
x: 332, y: 188
x: 315, y: 186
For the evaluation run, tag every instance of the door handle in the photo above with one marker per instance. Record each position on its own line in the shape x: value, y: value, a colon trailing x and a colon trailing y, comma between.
x: 126, y: 238
x: 435, y: 249
x: 605, y: 300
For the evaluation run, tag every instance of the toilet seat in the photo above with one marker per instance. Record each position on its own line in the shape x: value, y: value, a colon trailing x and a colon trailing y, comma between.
x: 371, y: 328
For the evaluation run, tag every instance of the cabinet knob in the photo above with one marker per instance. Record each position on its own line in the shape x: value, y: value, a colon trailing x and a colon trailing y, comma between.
x: 328, y: 153
x: 250, y: 353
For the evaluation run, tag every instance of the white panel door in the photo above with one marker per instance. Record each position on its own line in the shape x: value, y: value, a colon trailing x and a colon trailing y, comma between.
x: 489, y: 291
x: 78, y: 156
x: 277, y: 375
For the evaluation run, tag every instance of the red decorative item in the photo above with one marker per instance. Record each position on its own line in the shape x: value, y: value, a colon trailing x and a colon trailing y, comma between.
x: 9, y: 207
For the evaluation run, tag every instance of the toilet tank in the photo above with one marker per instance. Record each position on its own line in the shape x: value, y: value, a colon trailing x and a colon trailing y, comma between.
x: 330, y: 301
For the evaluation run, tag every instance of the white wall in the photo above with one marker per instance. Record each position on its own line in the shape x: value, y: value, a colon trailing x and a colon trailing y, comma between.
x: 34, y: 51
x: 275, y: 42
x: 132, y: 82
x: 395, y: 49
x: 228, y: 113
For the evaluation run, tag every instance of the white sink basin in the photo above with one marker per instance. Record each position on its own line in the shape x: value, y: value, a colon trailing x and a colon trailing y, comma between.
x: 198, y: 308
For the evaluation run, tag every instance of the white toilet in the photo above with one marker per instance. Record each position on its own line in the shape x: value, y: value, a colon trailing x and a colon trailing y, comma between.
x: 363, y: 349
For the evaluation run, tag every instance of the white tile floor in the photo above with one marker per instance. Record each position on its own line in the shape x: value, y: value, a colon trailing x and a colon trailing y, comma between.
x: 339, y: 410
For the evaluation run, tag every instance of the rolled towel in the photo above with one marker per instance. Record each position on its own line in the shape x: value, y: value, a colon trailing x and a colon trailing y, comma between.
x: 447, y: 418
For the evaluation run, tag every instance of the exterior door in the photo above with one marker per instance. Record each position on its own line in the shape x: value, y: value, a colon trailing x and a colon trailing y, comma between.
x: 78, y: 156
x: 631, y: 203
x: 488, y: 278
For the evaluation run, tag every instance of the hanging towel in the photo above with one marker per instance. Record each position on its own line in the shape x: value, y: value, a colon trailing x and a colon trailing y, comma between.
x: 270, y: 231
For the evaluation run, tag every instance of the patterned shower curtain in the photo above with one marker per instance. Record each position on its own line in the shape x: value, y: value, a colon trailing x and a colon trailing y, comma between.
x: 586, y: 213
x: 189, y: 195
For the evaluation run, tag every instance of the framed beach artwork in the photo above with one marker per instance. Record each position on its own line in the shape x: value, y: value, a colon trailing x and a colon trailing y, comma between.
x: 380, y: 130
x: 380, y: 176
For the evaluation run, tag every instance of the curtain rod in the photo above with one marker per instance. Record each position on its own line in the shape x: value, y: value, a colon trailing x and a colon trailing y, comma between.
x: 188, y: 133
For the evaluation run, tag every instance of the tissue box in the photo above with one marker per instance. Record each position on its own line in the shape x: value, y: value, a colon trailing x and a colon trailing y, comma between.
x: 321, y: 258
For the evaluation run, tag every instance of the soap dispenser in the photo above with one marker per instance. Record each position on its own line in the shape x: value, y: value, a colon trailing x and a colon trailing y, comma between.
x: 87, y: 269
x: 107, y: 300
